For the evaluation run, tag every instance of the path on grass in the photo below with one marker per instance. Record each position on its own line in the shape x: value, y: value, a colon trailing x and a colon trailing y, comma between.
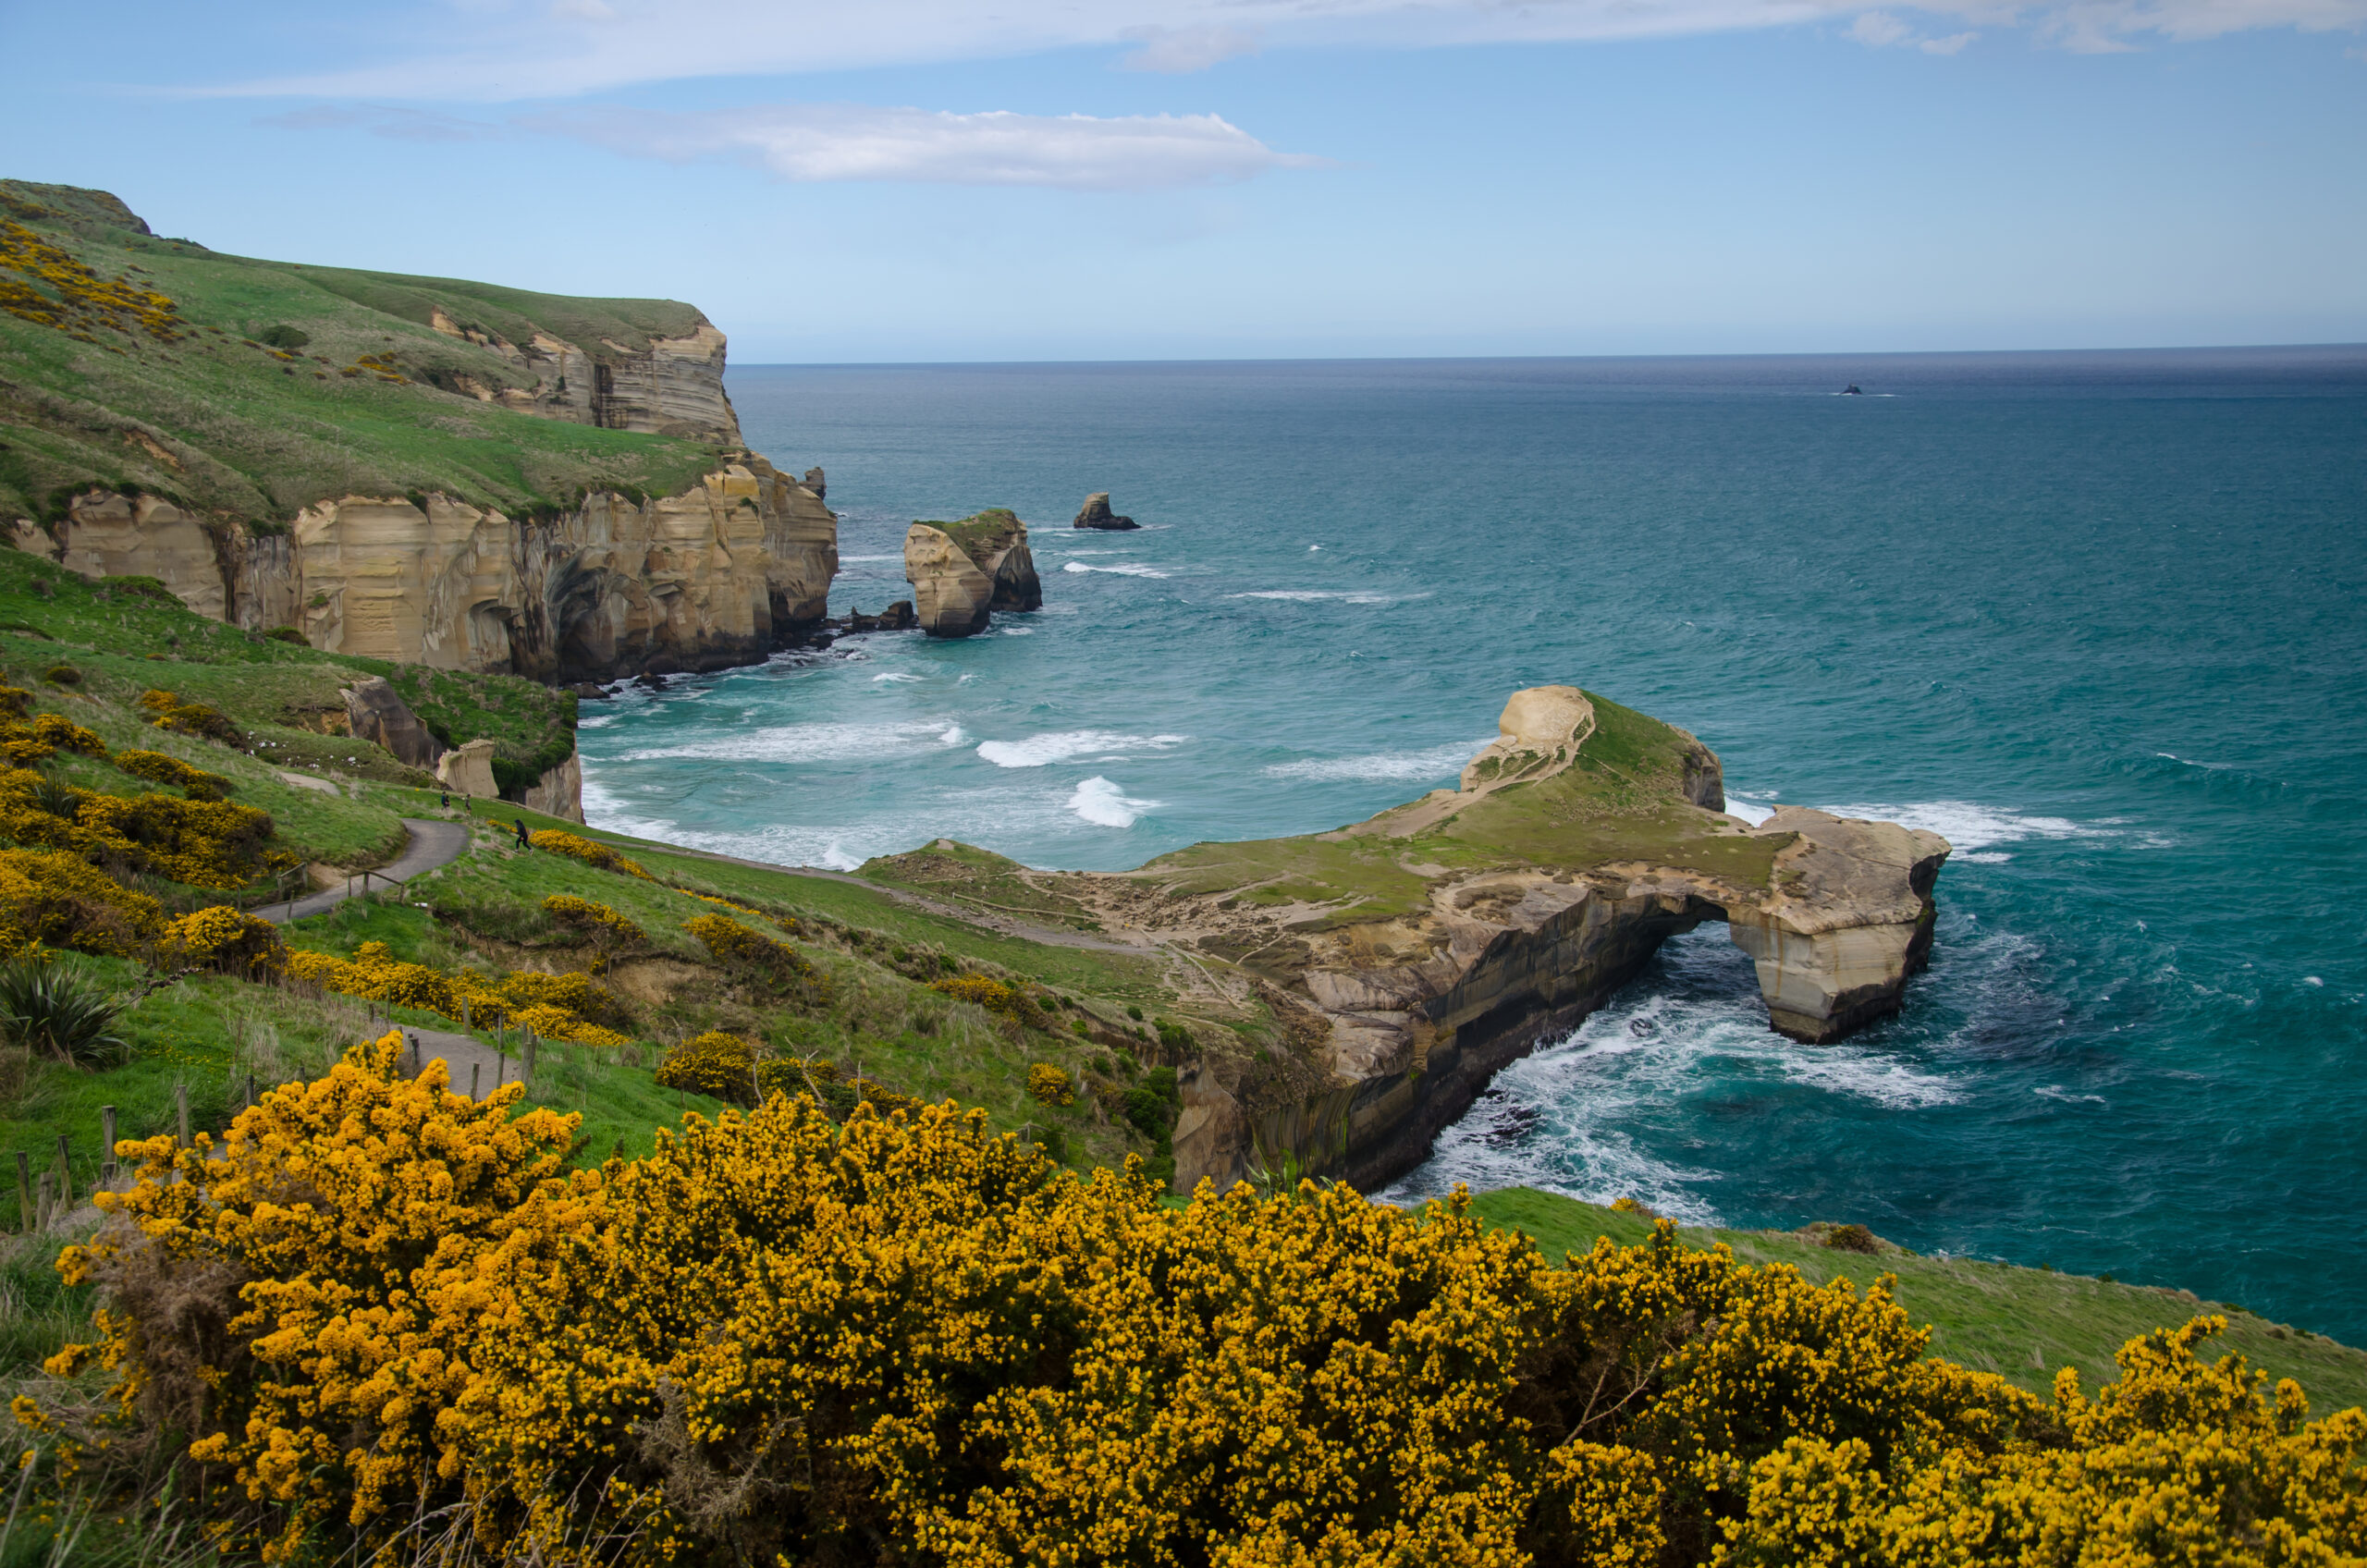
x: 431, y: 844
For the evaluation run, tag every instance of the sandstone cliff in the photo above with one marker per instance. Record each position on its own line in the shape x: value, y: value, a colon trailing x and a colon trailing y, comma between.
x: 1407, y: 959
x: 962, y: 572
x: 1096, y: 514
x: 720, y: 574
x: 659, y: 387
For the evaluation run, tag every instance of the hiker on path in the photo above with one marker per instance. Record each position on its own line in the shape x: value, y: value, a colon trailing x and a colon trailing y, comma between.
x: 523, y: 842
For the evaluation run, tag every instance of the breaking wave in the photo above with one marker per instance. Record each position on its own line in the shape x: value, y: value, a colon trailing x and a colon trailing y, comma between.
x: 1040, y: 751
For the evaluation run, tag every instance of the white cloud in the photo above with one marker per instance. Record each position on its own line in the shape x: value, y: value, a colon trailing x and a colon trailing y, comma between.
x: 1179, y: 50
x: 856, y: 141
x: 1880, y: 30
x: 394, y: 122
x: 567, y: 47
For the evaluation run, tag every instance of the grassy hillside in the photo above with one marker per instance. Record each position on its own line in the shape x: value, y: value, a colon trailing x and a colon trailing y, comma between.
x: 124, y: 637
x: 250, y: 388
x: 2023, y: 1324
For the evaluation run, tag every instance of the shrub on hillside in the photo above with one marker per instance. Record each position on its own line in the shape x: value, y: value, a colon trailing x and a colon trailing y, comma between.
x: 61, y: 900
x: 205, y: 722
x: 751, y: 953
x: 25, y: 740
x: 913, y: 1339
x: 1050, y: 1084
x: 287, y: 634
x: 590, y: 852
x: 62, y: 675
x: 373, y: 971
x: 159, y: 768
x: 718, y: 1065
x: 605, y: 925
x: 226, y: 941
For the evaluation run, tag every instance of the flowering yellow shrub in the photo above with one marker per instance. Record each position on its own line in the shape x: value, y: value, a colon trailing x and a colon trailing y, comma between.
x: 716, y: 1064
x: 787, y: 923
x: 59, y: 290
x: 992, y: 995
x: 735, y: 946
x: 24, y: 741
x: 1050, y: 1084
x: 206, y: 843
x: 905, y: 1339
x: 160, y: 768
x: 524, y: 999
x: 590, y: 852
x: 225, y: 939
x: 602, y: 922
x: 61, y: 900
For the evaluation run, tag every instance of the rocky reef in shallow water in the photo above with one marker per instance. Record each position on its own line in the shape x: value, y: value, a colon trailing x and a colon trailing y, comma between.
x: 1396, y: 965
x: 961, y: 573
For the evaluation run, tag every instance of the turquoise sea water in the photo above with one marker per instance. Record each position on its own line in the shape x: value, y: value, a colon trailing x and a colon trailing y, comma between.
x: 2096, y: 618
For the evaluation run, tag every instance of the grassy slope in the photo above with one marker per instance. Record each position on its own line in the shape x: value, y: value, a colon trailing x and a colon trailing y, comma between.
x: 251, y: 435
x: 2024, y: 1324
x: 124, y: 643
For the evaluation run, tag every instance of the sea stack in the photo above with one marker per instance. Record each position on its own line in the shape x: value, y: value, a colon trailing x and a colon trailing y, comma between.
x: 961, y: 571
x: 1096, y: 514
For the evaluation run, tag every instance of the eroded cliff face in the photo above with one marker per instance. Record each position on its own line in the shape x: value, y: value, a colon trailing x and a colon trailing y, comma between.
x: 719, y: 575
x: 1409, y: 958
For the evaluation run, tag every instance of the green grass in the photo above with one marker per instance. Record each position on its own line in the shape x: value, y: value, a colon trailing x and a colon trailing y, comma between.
x: 2023, y: 1324
x: 252, y: 435
x: 964, y: 874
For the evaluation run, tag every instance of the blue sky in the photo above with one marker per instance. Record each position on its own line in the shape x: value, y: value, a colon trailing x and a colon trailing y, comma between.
x: 929, y: 180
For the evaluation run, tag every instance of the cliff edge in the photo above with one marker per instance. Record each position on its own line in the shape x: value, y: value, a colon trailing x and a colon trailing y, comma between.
x: 961, y: 572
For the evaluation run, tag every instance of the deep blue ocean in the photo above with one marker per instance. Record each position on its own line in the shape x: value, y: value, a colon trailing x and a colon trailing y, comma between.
x: 2096, y: 618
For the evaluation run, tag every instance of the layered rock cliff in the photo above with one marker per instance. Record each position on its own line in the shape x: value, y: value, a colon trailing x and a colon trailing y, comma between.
x: 660, y: 386
x: 721, y: 574
x: 961, y: 572
x: 1407, y: 959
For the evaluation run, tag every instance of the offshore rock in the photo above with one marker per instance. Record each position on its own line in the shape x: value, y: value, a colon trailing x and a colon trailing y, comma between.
x: 960, y: 571
x: 1096, y: 514
x: 1392, y: 967
x: 722, y: 574
x: 951, y: 597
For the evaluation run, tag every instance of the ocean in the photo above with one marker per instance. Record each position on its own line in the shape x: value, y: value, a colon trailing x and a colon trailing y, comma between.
x: 2094, y: 617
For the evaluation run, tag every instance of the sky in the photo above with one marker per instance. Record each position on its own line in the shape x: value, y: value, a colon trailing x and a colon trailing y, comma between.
x: 932, y: 180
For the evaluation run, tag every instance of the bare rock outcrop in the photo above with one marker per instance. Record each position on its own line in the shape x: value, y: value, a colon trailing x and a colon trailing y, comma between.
x: 721, y: 574
x: 467, y: 769
x: 1096, y: 514
x: 374, y: 711
x: 961, y: 572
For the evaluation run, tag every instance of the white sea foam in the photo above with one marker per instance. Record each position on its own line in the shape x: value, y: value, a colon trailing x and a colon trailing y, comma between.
x: 1749, y: 808
x: 800, y: 742
x: 1101, y: 802
x: 954, y: 736
x: 1968, y: 826
x: 850, y: 561
x: 1438, y: 762
x: 1128, y: 569
x: 1308, y: 596
x: 897, y: 678
x: 1600, y: 1115
x: 1039, y: 751
x: 2054, y: 1092
x: 1019, y: 631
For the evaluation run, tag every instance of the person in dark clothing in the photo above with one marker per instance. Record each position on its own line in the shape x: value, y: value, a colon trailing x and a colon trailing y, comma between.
x: 523, y: 842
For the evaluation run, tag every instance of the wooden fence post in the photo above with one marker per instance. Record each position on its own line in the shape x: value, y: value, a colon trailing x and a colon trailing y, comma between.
x: 475, y: 1068
x: 526, y: 1058
x: 106, y: 1137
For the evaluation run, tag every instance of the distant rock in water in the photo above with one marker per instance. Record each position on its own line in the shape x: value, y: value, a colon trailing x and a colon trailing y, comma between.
x: 1096, y: 514
x: 813, y: 482
x: 961, y: 571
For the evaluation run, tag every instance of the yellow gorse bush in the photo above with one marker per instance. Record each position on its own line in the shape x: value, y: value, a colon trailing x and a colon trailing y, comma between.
x: 736, y: 947
x: 604, y: 923
x: 160, y: 768
x: 1050, y: 1084
x: 562, y: 1007
x: 57, y: 900
x: 226, y: 939
x: 590, y: 852
x: 779, y: 1340
x: 203, y: 842
x: 979, y: 991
